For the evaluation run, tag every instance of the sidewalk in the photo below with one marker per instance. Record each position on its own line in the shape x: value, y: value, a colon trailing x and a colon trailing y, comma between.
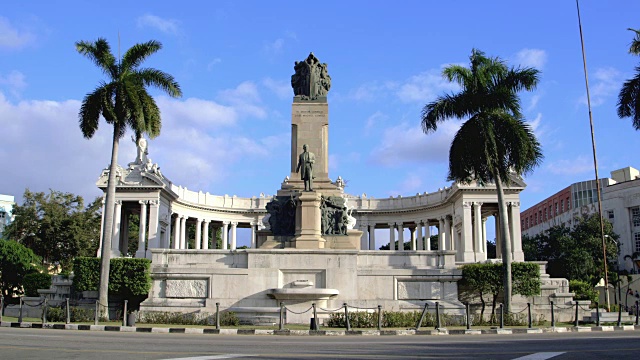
x: 192, y: 330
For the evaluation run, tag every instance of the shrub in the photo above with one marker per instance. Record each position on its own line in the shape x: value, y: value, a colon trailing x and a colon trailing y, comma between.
x: 128, y: 277
x: 77, y: 314
x: 392, y: 319
x: 34, y: 281
x: 583, y: 290
x: 227, y: 318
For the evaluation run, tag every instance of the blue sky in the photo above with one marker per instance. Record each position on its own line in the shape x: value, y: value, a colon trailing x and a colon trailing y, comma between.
x: 229, y: 133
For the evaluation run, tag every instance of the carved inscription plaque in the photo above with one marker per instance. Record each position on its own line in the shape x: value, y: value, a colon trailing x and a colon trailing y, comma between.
x: 186, y: 289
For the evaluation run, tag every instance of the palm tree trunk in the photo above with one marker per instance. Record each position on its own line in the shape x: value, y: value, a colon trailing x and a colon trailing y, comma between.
x: 107, y: 231
x: 506, y: 244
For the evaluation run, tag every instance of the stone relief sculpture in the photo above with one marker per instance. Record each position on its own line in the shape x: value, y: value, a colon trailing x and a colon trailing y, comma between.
x: 351, y: 221
x: 334, y: 216
x: 305, y: 163
x: 281, y: 216
x: 311, y: 79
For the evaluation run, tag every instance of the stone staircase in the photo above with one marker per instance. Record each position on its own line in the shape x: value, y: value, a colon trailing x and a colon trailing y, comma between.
x: 608, y: 317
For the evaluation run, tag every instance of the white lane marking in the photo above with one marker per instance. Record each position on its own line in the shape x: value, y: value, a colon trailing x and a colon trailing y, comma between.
x: 540, y: 356
x: 212, y: 357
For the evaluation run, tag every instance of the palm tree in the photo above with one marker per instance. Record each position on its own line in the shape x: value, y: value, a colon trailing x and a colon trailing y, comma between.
x: 124, y: 102
x: 495, y: 141
x: 629, y: 97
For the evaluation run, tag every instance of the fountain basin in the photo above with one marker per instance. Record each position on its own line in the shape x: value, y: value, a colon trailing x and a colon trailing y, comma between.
x: 307, y: 293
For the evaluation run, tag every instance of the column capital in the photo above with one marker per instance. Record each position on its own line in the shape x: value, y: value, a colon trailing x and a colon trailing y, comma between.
x: 226, y: 222
x: 142, y: 202
x: 199, y: 220
x: 392, y: 224
x: 206, y: 221
x: 153, y: 202
x: 118, y: 202
x: 477, y: 203
x: 233, y: 223
x: 183, y: 216
x: 467, y: 204
x: 513, y: 203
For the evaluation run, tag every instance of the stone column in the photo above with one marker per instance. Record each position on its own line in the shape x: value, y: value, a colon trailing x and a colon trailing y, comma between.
x: 198, y: 239
x: 498, y: 236
x: 466, y: 252
x: 364, y: 240
x: 254, y: 228
x: 183, y: 232
x: 225, y: 234
x: 154, y: 240
x: 234, y: 225
x: 372, y: 236
x: 141, y: 252
x: 176, y: 233
x: 427, y: 236
x: 392, y: 236
x: 441, y: 236
x: 448, y: 240
x: 214, y: 236
x: 205, y: 236
x: 401, y: 236
x: 412, y: 232
x: 484, y: 237
x: 115, y: 239
x: 515, y: 231
x: 419, y: 235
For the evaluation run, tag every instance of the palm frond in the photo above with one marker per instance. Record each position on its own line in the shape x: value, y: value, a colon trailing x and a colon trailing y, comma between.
x: 136, y: 54
x: 629, y: 100
x: 458, y: 74
x: 100, y: 53
x: 90, y: 110
x: 634, y: 48
x: 161, y: 80
x: 446, y: 107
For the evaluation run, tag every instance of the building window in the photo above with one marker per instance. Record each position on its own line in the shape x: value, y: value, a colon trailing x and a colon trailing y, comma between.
x: 568, y: 204
x: 545, y: 214
x: 561, y: 206
x: 536, y: 219
x: 610, y: 215
x: 635, y: 216
x: 636, y: 237
x: 556, y: 205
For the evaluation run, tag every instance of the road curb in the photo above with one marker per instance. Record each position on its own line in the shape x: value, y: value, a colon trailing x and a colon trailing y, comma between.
x: 287, y: 332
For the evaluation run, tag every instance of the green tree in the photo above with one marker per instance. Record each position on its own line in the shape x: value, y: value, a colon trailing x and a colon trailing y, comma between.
x: 56, y: 226
x: 495, y: 142
x: 574, y: 253
x: 124, y: 103
x: 629, y: 96
x: 16, y: 261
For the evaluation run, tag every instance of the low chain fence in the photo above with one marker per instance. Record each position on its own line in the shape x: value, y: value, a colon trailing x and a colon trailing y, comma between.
x: 433, y: 315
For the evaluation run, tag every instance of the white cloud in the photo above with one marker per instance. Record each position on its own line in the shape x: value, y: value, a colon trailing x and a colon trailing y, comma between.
x: 535, y: 126
x: 202, y: 112
x: 244, y: 98
x: 374, y: 120
x: 13, y: 38
x: 605, y: 83
x: 425, y: 87
x: 579, y: 165
x: 405, y: 143
x: 167, y: 26
x: 274, y: 47
x: 14, y: 82
x: 411, y: 183
x: 535, y: 58
x: 282, y: 89
x: 213, y: 63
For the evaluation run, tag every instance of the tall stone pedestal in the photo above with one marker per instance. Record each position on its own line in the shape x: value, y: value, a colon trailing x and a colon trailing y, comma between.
x: 308, y: 234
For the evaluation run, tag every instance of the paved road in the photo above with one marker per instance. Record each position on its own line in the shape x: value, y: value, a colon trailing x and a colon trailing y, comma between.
x: 69, y: 344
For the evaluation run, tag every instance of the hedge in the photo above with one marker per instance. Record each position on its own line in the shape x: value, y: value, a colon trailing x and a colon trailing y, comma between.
x: 34, y: 281
x: 127, y: 276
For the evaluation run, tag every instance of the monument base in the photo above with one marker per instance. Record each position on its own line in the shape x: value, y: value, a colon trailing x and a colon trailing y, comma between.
x: 351, y: 241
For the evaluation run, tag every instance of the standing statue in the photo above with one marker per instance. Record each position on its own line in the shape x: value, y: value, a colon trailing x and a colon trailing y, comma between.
x: 141, y: 145
x: 305, y: 163
x: 311, y: 79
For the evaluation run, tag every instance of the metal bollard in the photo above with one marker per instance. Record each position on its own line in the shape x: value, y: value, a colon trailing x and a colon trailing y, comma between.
x: 124, y: 313
x: 1, y: 307
x: 597, y: 314
x: 68, y: 321
x: 281, y: 327
x: 20, y: 315
x: 437, y: 315
x: 577, y: 321
x: 315, y: 318
x: 553, y: 318
x: 217, y: 316
x: 468, y: 316
x: 529, y: 313
x: 424, y: 311
x: 44, y: 312
x: 619, y: 315
x: 380, y: 317
x: 95, y: 317
x: 501, y: 316
x: 637, y: 313
x: 347, y: 324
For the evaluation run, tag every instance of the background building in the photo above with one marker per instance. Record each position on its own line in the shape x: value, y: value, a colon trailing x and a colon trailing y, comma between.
x: 620, y: 205
x: 6, y: 210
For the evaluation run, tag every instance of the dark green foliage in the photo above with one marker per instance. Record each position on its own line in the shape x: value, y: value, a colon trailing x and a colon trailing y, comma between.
x: 480, y: 280
x: 128, y: 277
x: 16, y: 261
x: 392, y: 319
x: 575, y: 254
x: 34, y: 281
x: 76, y: 314
x: 629, y: 96
x: 583, y: 290
x: 227, y: 318
x: 56, y: 226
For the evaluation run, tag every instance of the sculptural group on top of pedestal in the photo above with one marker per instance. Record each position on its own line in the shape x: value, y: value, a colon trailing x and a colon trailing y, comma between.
x: 142, y: 161
x: 334, y: 216
x: 311, y: 79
